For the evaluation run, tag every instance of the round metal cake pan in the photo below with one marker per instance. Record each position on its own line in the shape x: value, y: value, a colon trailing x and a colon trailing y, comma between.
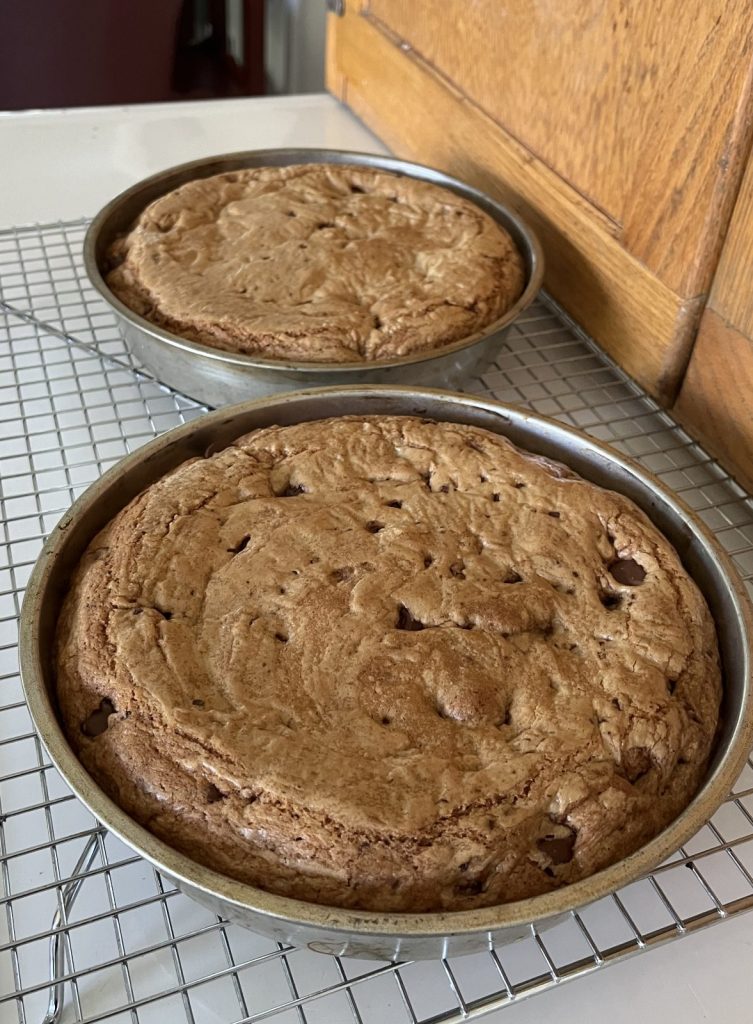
x: 389, y: 936
x: 216, y: 377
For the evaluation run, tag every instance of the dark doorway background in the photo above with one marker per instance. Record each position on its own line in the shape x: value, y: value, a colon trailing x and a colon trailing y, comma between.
x: 70, y: 53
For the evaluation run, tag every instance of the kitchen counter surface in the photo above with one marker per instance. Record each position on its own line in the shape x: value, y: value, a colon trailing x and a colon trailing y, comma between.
x: 61, y: 165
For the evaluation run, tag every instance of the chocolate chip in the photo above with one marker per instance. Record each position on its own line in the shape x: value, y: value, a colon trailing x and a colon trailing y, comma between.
x: 214, y: 794
x: 198, y: 703
x: 628, y: 572
x: 518, y: 484
x: 394, y: 504
x: 292, y: 490
x: 374, y: 527
x: 473, y: 887
x: 457, y: 569
x: 428, y: 560
x: 610, y: 601
x: 495, y: 497
x: 636, y: 762
x: 386, y: 720
x: 242, y: 543
x: 559, y: 849
x: 554, y: 515
x: 281, y: 638
x: 98, y: 720
x: 406, y: 620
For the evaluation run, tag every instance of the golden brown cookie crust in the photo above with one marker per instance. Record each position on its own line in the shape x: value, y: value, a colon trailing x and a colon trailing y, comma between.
x: 390, y: 664
x: 317, y: 262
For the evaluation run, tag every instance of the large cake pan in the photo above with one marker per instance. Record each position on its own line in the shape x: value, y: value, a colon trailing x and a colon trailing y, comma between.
x: 216, y: 377
x: 389, y: 936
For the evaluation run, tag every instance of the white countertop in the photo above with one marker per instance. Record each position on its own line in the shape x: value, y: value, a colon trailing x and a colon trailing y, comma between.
x: 60, y: 165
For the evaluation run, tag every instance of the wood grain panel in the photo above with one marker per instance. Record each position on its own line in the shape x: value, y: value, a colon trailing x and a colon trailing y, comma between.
x: 732, y: 292
x: 421, y: 115
x: 716, y: 400
x: 643, y: 108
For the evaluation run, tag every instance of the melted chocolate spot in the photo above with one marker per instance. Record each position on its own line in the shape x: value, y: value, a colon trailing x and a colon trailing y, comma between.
x: 611, y: 601
x: 386, y: 720
x: 636, y: 762
x: 242, y: 543
x: 559, y: 849
x: 473, y: 887
x: 406, y: 620
x: 292, y: 490
x: 98, y: 720
x: 628, y: 572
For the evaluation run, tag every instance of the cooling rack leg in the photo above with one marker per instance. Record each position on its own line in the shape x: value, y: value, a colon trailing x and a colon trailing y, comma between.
x: 57, y: 948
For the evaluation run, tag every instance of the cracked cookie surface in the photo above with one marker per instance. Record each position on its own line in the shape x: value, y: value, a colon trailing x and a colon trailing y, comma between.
x: 321, y: 263
x: 388, y: 663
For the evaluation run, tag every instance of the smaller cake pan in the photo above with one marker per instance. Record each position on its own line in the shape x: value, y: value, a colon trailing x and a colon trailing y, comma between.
x: 389, y: 936
x: 216, y: 377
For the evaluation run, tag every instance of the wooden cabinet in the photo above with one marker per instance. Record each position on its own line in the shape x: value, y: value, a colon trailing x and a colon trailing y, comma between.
x: 716, y: 398
x: 621, y: 129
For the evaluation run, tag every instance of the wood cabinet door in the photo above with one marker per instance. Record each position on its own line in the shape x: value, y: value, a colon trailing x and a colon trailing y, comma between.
x: 716, y: 399
x: 619, y: 128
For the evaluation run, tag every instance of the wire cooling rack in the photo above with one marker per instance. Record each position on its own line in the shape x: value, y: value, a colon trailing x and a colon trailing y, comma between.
x: 126, y: 946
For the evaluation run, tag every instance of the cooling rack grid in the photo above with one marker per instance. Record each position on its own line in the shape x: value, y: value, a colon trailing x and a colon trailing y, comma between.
x: 131, y: 949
